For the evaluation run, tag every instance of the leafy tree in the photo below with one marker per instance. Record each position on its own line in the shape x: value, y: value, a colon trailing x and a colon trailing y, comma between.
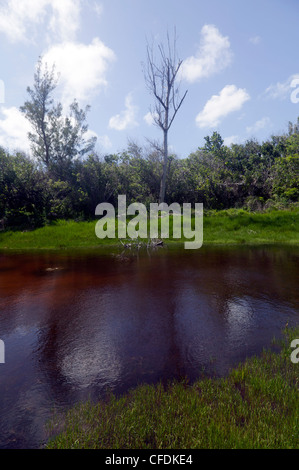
x: 89, y: 184
x: 285, y: 171
x: 249, y: 175
x: 56, y: 139
x: 214, y: 144
x: 22, y: 191
x: 294, y: 127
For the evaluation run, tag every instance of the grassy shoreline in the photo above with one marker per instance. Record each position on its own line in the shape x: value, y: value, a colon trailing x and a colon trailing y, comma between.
x: 256, y: 406
x: 229, y: 227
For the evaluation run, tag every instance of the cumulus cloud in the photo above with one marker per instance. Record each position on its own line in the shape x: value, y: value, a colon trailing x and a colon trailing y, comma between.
x: 214, y: 54
x: 232, y: 139
x: 126, y: 118
x: 65, y: 19
x: 150, y: 118
x: 104, y: 142
x: 281, y: 90
x: 82, y: 68
x: 18, y: 19
x: 258, y: 125
x: 14, y: 128
x: 230, y: 99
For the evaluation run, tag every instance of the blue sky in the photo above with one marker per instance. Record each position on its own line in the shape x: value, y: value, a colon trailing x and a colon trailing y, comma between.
x: 240, y: 66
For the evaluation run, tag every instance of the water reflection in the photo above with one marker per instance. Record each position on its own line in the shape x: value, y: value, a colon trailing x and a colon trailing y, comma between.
x: 77, y: 325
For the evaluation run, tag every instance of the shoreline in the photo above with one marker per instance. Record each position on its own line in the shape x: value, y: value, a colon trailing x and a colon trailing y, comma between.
x: 223, y: 228
x: 254, y: 406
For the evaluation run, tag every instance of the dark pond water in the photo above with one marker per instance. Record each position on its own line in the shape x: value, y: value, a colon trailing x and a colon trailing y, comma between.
x: 75, y: 325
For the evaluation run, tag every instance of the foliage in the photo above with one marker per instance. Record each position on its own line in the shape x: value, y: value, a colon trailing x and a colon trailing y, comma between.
x: 56, y: 139
x: 22, y: 195
x: 253, y: 176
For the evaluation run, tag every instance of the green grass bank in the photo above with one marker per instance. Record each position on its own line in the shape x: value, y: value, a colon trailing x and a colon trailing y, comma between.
x: 229, y: 227
x: 255, y: 407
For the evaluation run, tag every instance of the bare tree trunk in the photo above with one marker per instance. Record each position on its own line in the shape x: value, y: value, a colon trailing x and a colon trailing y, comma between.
x: 161, y: 78
x: 165, y: 168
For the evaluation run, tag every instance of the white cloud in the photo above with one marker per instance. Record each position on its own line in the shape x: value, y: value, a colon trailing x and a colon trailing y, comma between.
x: 105, y: 142
x: 82, y: 68
x: 14, y: 128
x: 65, y: 19
x: 16, y: 16
x: 89, y: 134
x: 126, y: 118
x: 258, y: 125
x: 255, y: 40
x: 150, y: 118
x: 229, y: 99
x: 214, y: 55
x: 233, y: 139
x: 60, y: 18
x: 280, y: 90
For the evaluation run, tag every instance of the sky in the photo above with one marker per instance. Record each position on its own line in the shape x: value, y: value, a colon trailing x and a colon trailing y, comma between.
x: 240, y: 67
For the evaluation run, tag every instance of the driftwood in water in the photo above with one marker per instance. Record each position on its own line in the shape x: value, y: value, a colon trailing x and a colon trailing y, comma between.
x: 140, y: 244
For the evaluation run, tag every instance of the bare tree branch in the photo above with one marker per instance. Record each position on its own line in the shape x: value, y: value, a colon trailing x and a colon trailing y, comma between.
x: 161, y: 76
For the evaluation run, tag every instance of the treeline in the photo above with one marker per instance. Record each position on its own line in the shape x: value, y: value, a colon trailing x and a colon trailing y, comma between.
x: 250, y: 175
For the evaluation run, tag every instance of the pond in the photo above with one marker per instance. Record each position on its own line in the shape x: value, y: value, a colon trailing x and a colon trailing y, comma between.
x: 76, y: 325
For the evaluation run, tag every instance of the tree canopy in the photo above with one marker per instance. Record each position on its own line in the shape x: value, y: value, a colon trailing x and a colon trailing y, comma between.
x: 56, y: 139
x: 253, y: 176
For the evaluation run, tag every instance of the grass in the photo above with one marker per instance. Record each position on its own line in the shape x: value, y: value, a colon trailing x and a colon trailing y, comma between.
x: 241, y: 227
x: 255, y: 407
x: 230, y: 227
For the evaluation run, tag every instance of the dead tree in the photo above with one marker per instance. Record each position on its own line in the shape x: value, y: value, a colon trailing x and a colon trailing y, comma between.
x: 162, y: 80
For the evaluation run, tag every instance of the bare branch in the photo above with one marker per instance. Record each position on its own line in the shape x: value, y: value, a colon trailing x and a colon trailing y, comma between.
x: 176, y: 108
x: 161, y: 76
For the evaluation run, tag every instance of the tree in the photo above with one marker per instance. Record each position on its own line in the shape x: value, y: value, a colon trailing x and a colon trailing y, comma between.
x: 161, y: 78
x: 214, y: 144
x: 56, y: 139
x: 22, y: 191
